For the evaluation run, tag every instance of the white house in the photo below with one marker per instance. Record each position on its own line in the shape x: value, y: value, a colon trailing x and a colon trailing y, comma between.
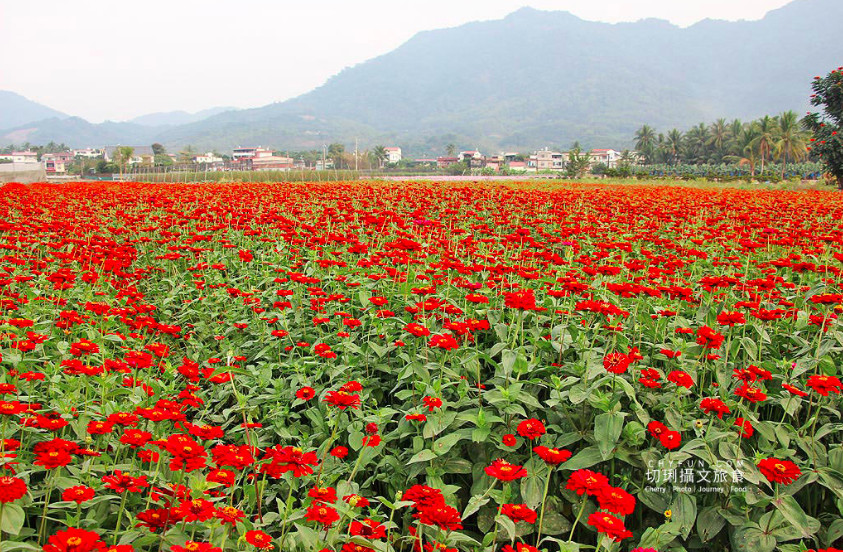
x: 90, y: 153
x: 608, y: 157
x: 207, y: 158
x: 393, y: 154
x: 20, y: 157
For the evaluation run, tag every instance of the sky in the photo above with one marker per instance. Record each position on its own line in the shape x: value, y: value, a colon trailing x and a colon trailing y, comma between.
x: 107, y: 60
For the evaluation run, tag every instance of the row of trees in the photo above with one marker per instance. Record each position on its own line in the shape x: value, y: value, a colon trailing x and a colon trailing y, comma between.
x: 755, y: 143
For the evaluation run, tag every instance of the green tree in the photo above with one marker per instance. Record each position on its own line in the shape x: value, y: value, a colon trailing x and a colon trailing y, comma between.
x: 827, y: 127
x: 379, y: 153
x: 578, y: 162
x: 791, y: 140
x: 718, y: 138
x: 744, y: 144
x: 122, y: 157
x: 187, y: 154
x: 673, y: 145
x: 764, y: 143
x: 450, y: 149
x: 158, y: 149
x: 336, y: 154
x: 645, y: 143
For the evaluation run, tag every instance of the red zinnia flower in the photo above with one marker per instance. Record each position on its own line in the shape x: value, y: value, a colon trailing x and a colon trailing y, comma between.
x: 779, y: 471
x: 504, y: 471
x: 745, y: 428
x: 616, y: 500
x: 342, y: 399
x: 259, y: 539
x: 78, y: 494
x: 519, y: 512
x: 670, y: 439
x: 531, y: 429
x: 586, y: 481
x: 74, y: 540
x: 824, y: 385
x: 11, y: 488
x: 552, y: 456
x: 321, y: 513
x: 305, y: 393
x: 616, y: 363
x: 612, y: 526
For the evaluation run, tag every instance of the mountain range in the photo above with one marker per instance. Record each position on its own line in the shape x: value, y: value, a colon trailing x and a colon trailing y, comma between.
x: 533, y: 79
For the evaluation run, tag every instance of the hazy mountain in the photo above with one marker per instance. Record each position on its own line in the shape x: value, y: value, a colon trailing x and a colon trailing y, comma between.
x: 15, y: 110
x: 77, y: 132
x: 173, y: 118
x: 535, y: 79
x: 541, y: 78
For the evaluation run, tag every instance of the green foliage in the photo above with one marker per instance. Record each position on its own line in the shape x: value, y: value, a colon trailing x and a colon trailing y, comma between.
x: 827, y: 126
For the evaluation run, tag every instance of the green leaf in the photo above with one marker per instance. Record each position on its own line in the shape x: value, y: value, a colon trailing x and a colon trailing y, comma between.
x: 532, y: 489
x: 684, y: 508
x: 792, y: 512
x: 709, y: 523
x: 750, y: 538
x: 585, y: 458
x: 424, y: 456
x: 659, y: 537
x: 607, y: 431
x: 13, y: 518
x: 474, y: 504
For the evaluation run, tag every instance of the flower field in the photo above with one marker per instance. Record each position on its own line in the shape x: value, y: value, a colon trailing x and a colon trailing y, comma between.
x: 357, y: 367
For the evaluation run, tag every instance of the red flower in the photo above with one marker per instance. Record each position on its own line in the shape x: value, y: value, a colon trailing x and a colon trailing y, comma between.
x: 615, y: 500
x: 504, y: 471
x: 670, y: 439
x: 120, y: 483
x: 616, y: 363
x: 681, y: 379
x: 656, y: 428
x: 709, y: 405
x: 423, y: 496
x: 824, y: 385
x: 444, y: 341
x: 794, y: 390
x: 339, y: 452
x: 509, y: 440
x: 342, y: 399
x: 77, y: 494
x: 519, y: 512
x: 193, y: 546
x: 11, y: 488
x: 229, y: 514
x: 586, y: 481
x: 325, y: 495
x: 368, y: 529
x: 519, y: 547
x: 289, y: 459
x: 709, y: 338
x: 531, y: 429
x: 440, y: 515
x: 552, y: 456
x: 432, y: 403
x: 750, y: 393
x: 305, y: 393
x: 745, y: 428
x: 610, y: 525
x: 259, y: 539
x: 779, y: 471
x: 74, y: 540
x: 321, y: 513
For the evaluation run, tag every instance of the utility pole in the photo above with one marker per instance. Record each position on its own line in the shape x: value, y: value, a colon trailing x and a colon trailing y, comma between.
x: 324, y: 150
x: 355, y: 154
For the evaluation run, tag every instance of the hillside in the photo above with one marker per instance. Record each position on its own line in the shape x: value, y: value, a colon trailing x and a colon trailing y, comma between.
x: 15, y: 110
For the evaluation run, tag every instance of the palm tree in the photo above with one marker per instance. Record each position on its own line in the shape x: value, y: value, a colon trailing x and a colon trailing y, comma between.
x: 733, y: 147
x: 379, y: 153
x: 451, y: 149
x: 767, y: 129
x: 745, y: 145
x: 673, y: 145
x: 718, y: 137
x: 696, y: 141
x: 122, y: 156
x: 791, y: 140
x: 645, y: 142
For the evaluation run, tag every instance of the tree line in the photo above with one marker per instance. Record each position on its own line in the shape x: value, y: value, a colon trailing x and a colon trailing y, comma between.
x: 779, y: 138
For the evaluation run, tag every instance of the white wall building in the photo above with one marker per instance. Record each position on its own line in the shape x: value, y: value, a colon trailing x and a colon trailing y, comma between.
x: 393, y: 154
x: 24, y: 157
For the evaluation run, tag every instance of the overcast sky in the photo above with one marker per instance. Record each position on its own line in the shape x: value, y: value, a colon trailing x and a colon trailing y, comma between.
x: 117, y: 60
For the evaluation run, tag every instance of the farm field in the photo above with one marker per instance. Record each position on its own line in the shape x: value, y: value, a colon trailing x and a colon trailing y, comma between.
x: 412, y: 366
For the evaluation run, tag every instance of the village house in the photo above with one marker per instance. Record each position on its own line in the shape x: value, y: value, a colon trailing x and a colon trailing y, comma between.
x: 208, y: 158
x: 393, y: 154
x: 608, y: 157
x: 472, y: 158
x: 24, y: 157
x: 57, y: 163
x: 546, y: 160
x: 443, y: 162
x: 89, y: 153
x: 258, y: 159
